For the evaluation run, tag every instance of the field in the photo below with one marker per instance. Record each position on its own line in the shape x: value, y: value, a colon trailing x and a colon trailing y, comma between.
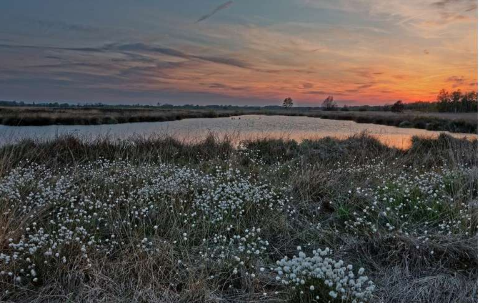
x: 21, y: 116
x: 156, y: 220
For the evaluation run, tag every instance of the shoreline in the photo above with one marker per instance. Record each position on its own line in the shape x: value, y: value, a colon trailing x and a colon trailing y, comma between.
x: 455, y: 123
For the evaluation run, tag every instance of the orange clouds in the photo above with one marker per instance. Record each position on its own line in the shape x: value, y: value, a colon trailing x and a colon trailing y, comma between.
x: 365, y: 51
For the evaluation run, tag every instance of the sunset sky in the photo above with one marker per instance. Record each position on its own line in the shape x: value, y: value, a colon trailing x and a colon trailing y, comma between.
x: 247, y: 52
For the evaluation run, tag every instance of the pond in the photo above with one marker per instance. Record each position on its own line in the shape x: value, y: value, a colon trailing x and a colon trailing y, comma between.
x: 237, y: 128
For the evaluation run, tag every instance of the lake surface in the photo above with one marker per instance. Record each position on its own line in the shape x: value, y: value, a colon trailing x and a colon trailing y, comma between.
x: 237, y: 128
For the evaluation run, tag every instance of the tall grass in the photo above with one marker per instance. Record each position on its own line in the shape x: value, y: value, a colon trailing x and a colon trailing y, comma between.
x: 159, y: 220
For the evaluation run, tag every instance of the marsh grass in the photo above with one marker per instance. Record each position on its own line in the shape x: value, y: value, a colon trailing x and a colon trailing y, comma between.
x: 95, y: 116
x: 159, y: 220
x: 456, y: 123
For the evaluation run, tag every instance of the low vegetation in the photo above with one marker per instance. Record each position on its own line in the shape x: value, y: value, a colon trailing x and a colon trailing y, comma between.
x: 157, y: 220
x: 94, y: 116
x: 456, y: 123
x: 36, y: 116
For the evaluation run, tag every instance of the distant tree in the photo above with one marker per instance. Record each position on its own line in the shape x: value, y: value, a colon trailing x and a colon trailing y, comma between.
x: 422, y: 106
x: 469, y: 102
x: 456, y: 101
x: 444, y: 101
x: 329, y: 104
x: 397, y: 107
x: 288, y: 102
x: 345, y: 108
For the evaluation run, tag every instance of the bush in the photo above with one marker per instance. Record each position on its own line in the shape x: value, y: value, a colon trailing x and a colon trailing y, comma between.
x: 405, y: 124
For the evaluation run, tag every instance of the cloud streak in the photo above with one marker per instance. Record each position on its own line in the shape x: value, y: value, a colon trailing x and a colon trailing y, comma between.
x: 54, y: 25
x: 218, y: 8
x: 141, y: 47
x: 401, y: 49
x: 132, y: 48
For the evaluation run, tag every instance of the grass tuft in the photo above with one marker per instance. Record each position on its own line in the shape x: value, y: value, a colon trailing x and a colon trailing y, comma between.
x: 160, y: 220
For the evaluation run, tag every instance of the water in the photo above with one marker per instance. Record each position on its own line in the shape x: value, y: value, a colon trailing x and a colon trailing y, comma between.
x: 237, y: 128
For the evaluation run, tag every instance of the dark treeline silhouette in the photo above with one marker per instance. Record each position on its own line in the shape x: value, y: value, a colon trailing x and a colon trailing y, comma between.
x: 138, y: 105
x: 397, y: 107
x: 456, y: 102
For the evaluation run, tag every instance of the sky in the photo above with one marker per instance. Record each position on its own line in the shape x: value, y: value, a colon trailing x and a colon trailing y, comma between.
x: 239, y: 52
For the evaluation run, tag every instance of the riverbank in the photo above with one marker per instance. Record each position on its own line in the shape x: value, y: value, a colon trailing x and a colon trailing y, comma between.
x: 33, y: 116
x: 159, y: 220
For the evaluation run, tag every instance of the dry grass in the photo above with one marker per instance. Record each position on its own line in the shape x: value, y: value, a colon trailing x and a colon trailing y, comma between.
x: 459, y: 123
x: 95, y: 116
x: 331, y: 181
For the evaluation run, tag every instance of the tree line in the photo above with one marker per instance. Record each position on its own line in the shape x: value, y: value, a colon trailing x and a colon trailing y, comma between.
x: 454, y: 102
x: 457, y: 101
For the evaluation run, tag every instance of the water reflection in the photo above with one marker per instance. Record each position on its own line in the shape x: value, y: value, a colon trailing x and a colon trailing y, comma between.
x: 237, y: 128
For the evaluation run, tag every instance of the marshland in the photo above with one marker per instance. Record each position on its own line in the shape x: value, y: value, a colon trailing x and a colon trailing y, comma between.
x: 462, y: 122
x: 237, y: 128
x: 289, y: 151
x: 269, y: 220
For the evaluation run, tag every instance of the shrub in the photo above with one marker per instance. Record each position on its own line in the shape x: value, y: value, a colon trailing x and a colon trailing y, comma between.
x: 405, y: 124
